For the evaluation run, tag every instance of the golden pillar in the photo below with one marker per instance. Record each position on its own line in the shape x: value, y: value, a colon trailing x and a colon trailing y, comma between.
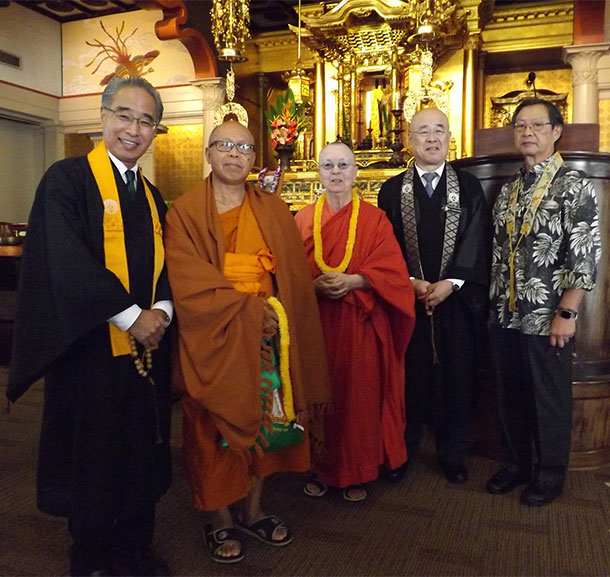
x: 395, y: 83
x: 353, y: 103
x: 319, y: 110
x: 262, y: 133
x: 469, y: 94
x: 340, y: 92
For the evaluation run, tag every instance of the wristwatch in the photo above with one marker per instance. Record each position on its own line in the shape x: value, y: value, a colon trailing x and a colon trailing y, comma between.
x: 566, y: 313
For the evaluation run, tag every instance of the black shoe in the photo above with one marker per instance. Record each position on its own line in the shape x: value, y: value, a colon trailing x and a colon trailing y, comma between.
x: 455, y: 473
x: 539, y: 493
x: 141, y: 562
x: 397, y: 474
x: 505, y: 480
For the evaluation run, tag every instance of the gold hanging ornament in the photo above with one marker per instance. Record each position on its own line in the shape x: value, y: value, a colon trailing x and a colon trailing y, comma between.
x: 297, y: 79
x: 230, y: 107
x: 230, y: 20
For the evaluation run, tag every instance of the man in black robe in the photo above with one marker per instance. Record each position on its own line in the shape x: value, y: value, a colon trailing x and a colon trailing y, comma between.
x: 93, y: 292
x: 441, y: 220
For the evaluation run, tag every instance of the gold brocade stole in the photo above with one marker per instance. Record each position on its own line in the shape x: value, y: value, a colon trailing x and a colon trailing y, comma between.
x: 114, y: 236
x: 539, y: 193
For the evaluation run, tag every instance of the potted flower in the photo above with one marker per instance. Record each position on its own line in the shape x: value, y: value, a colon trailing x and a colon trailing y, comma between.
x: 286, y: 120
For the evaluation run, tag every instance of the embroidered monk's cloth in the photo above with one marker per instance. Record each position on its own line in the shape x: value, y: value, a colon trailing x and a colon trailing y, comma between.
x: 366, y: 334
x: 220, y: 331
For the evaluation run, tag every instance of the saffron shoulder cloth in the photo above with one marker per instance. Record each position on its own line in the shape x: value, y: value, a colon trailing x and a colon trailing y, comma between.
x: 249, y: 270
x: 220, y: 327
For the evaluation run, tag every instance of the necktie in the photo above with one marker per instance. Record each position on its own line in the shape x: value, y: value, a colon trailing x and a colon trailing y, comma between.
x: 429, y: 177
x: 131, y: 184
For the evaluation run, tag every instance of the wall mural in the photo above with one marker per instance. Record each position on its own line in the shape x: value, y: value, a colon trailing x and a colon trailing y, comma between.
x: 98, y: 49
x: 116, y: 51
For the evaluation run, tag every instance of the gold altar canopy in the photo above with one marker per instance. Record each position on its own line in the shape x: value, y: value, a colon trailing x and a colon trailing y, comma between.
x: 378, y: 48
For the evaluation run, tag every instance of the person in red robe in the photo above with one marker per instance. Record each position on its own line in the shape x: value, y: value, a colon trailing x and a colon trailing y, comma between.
x: 366, y: 305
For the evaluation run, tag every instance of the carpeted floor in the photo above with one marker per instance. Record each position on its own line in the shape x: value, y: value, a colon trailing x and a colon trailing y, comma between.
x: 421, y: 526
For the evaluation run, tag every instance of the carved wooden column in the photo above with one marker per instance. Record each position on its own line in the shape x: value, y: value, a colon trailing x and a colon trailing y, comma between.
x: 583, y: 60
x: 213, y: 96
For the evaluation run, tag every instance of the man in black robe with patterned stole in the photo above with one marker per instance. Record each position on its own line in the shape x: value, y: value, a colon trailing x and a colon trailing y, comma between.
x: 441, y: 220
x: 92, y: 309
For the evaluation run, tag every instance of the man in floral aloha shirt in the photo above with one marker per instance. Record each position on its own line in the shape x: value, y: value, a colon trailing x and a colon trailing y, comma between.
x: 545, y: 253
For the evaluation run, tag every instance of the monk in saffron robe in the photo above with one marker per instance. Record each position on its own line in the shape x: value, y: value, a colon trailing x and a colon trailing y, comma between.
x: 367, y: 307
x: 230, y: 246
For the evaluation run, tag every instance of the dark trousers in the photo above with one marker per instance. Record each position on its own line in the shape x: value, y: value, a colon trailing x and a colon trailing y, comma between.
x: 534, y: 389
x: 440, y: 394
x: 100, y: 546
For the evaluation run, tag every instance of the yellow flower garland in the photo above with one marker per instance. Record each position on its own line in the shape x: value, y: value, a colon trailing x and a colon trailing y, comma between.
x: 351, y: 236
x: 277, y: 306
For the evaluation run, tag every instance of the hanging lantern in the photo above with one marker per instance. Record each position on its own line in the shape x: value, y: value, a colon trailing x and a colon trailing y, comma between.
x: 297, y: 79
x: 230, y: 21
x: 299, y: 83
x: 230, y: 27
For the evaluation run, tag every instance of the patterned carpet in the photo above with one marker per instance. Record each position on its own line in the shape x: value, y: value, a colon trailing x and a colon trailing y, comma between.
x: 422, y: 526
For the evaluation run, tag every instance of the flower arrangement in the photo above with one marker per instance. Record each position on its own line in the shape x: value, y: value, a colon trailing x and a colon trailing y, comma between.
x: 286, y: 119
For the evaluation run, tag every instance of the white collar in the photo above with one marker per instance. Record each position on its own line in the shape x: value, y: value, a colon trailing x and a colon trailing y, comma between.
x: 121, y: 165
x: 438, y: 170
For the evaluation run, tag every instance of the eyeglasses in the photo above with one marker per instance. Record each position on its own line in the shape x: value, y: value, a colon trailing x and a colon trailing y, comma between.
x: 426, y: 133
x: 127, y: 118
x: 226, y: 146
x: 341, y: 165
x: 535, y: 126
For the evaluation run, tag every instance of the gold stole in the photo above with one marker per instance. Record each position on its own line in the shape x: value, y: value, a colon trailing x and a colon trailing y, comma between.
x: 114, y: 236
x: 528, y: 219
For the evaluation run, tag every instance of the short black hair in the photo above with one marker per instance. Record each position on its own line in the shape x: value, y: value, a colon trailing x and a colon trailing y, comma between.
x: 555, y: 115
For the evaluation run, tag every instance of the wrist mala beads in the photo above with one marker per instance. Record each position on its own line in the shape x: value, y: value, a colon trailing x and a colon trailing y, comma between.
x: 143, y: 364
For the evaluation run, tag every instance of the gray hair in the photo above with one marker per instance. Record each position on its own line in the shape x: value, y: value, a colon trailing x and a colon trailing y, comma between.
x: 132, y: 82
